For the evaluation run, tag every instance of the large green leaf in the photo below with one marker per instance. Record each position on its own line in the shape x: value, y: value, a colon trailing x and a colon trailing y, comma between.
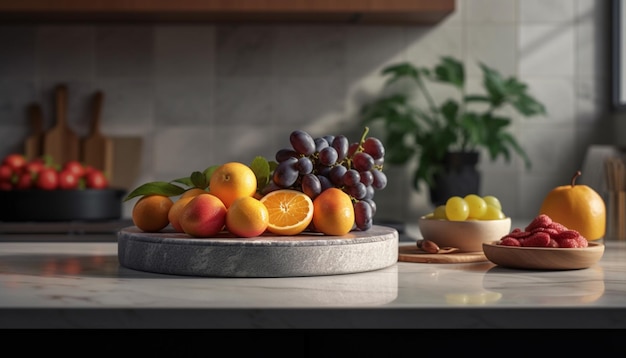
x: 494, y: 84
x: 528, y: 105
x: 261, y: 168
x: 451, y: 71
x: 156, y: 187
x: 401, y: 70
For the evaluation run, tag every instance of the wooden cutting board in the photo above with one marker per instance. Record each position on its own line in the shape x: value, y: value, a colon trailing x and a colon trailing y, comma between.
x: 97, y: 148
x: 410, y: 253
x: 33, y: 146
x: 60, y: 142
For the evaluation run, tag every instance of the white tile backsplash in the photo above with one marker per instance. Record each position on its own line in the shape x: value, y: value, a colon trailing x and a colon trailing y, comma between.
x: 547, y: 50
x: 502, y: 58
x: 550, y: 11
x: 201, y: 93
x: 490, y: 11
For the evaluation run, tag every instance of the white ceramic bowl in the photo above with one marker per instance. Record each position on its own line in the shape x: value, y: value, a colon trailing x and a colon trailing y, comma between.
x: 467, y: 236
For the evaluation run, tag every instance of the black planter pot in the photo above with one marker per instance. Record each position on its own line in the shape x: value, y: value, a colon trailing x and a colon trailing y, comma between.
x: 459, y: 178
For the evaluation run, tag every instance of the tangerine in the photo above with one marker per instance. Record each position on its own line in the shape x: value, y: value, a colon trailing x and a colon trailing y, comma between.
x: 176, y: 210
x: 150, y: 213
x: 577, y: 207
x: 232, y: 180
x: 247, y: 217
x: 193, y: 192
x: 333, y: 212
x: 290, y: 211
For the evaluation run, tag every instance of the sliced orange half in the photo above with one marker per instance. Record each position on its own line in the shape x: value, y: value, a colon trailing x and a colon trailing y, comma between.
x: 290, y: 211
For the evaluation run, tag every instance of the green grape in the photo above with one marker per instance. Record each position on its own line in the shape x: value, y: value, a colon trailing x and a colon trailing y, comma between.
x: 457, y: 209
x: 493, y: 213
x: 440, y: 213
x: 477, y: 206
x: 492, y: 200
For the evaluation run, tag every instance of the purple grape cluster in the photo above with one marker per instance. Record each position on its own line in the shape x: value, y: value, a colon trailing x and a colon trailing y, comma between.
x: 312, y: 165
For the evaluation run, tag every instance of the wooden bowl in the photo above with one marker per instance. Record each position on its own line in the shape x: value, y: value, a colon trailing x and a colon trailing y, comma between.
x: 543, y: 258
x: 467, y: 236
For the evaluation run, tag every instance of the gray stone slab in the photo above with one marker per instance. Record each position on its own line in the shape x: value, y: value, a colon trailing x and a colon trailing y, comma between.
x: 306, y: 254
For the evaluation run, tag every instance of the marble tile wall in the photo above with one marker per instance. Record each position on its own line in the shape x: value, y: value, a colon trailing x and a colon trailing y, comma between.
x: 202, y: 94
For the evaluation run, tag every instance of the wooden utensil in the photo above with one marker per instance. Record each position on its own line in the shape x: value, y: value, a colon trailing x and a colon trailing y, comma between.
x: 97, y: 148
x: 544, y: 258
x: 33, y: 146
x: 60, y: 142
x: 410, y: 253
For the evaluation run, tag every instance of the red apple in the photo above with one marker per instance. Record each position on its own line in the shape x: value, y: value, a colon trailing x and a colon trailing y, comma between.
x: 15, y: 160
x: 68, y: 179
x: 95, y: 179
x: 48, y: 179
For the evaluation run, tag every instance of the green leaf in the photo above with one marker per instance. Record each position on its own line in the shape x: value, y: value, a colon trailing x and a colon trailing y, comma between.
x: 495, y: 85
x: 208, y: 172
x: 527, y: 105
x: 156, y: 187
x: 451, y: 71
x: 185, y: 181
x: 399, y: 71
x: 261, y: 168
x: 450, y: 109
x: 199, y: 180
x: 476, y: 98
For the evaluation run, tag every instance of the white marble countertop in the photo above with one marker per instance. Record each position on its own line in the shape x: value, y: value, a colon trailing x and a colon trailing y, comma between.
x: 81, y: 285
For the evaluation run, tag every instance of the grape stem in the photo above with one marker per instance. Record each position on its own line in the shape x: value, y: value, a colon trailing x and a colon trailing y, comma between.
x: 365, y: 130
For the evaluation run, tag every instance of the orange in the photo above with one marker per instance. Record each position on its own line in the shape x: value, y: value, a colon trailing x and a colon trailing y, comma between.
x: 290, y: 211
x: 232, y: 180
x: 247, y: 217
x: 193, y: 192
x: 150, y: 212
x: 176, y: 210
x: 203, y: 216
x: 333, y: 212
x: 578, y: 207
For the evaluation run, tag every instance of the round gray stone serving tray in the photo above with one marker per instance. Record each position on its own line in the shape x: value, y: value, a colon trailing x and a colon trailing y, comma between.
x: 305, y: 254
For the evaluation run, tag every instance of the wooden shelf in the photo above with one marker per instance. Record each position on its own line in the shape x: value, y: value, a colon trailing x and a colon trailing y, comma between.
x: 220, y: 11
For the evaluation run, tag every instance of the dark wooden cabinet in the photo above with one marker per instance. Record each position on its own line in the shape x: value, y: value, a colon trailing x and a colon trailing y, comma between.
x: 281, y: 11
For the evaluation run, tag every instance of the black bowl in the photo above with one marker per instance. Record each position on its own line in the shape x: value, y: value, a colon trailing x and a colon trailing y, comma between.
x: 61, y: 205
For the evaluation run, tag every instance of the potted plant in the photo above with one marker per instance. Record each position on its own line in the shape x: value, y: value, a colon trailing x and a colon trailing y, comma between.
x: 445, y: 137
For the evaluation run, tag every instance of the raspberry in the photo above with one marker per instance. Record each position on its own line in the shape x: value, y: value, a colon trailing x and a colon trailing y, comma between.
x: 547, y: 230
x: 582, y: 242
x: 557, y: 226
x: 538, y: 239
x: 569, y: 238
x: 553, y: 243
x: 509, y: 241
x: 568, y: 243
x: 567, y: 234
x: 518, y: 233
x: 541, y: 220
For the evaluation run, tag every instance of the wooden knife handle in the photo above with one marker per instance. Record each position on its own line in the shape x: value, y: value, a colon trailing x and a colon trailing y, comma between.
x: 36, y: 118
